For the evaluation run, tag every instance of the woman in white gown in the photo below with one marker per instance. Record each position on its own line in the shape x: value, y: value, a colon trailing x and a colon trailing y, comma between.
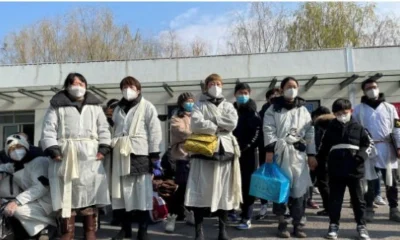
x: 136, y: 146
x: 214, y: 182
x: 76, y: 136
x: 289, y: 134
x: 32, y: 207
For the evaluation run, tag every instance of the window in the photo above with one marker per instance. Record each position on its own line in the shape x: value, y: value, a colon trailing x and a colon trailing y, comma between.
x: 12, y: 122
x: 312, y: 105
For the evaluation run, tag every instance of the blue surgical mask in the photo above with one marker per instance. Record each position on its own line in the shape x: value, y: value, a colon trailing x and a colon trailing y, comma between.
x: 242, y: 99
x: 188, y: 106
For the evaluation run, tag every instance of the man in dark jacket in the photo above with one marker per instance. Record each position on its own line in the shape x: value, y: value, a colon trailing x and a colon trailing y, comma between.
x: 346, y: 145
x: 321, y: 119
x: 33, y: 151
x: 270, y: 95
x: 247, y: 133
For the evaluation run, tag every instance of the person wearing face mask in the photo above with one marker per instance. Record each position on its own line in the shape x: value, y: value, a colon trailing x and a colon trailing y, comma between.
x: 270, y: 95
x: 179, y: 132
x: 76, y: 136
x: 31, y: 209
x: 214, y: 181
x: 247, y: 134
x: 34, y: 151
x: 382, y: 121
x: 345, y: 147
x: 136, y: 148
x: 289, y: 135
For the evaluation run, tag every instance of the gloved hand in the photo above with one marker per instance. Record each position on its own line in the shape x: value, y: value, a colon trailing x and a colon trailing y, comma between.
x: 157, y: 169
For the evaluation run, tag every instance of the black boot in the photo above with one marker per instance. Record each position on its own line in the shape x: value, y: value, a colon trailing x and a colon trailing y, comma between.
x: 144, y: 218
x: 126, y: 227
x: 198, y: 220
x: 117, y: 216
x: 222, y: 219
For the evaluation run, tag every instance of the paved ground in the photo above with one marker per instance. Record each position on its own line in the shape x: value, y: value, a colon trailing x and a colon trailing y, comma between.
x: 316, y: 227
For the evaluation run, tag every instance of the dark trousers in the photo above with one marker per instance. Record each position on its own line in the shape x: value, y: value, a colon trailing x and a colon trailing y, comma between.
x: 176, y: 205
x: 323, y: 186
x: 296, y: 208
x: 392, y: 194
x: 337, y: 186
x: 247, y: 167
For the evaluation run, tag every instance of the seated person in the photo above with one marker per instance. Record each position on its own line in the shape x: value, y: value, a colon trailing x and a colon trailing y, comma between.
x: 34, y: 151
x: 32, y: 208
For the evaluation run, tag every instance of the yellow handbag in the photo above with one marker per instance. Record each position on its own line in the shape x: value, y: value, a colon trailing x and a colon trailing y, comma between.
x: 201, y: 144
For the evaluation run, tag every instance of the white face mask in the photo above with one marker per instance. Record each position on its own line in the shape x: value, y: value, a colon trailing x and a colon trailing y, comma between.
x: 373, y: 93
x: 18, y: 154
x: 215, y: 91
x: 77, y: 91
x: 129, y: 94
x: 290, y: 93
x: 345, y: 118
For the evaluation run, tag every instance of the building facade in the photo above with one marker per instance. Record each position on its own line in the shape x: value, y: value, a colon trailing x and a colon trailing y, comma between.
x: 324, y: 75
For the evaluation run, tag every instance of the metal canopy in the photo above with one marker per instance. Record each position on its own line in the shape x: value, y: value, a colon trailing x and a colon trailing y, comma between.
x: 273, y: 83
x: 310, y: 83
x: 98, y: 92
x: 348, y: 81
x: 31, y: 94
x: 168, y: 89
x: 7, y: 97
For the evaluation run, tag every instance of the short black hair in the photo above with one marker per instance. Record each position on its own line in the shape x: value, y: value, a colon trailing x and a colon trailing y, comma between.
x: 340, y: 105
x: 320, y: 111
x: 271, y: 92
x: 130, y: 81
x: 286, y: 80
x: 71, y: 77
x: 111, y: 102
x: 368, y: 81
x: 242, y: 86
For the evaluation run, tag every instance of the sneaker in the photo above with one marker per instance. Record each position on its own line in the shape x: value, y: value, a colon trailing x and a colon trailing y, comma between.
x: 244, y: 225
x: 315, y: 190
x: 369, y: 214
x: 333, y: 231
x: 379, y: 201
x: 362, y: 233
x: 303, y: 221
x: 233, y: 218
x: 189, y: 217
x: 263, y: 211
x: 394, y: 215
x: 170, y: 223
x: 312, y: 204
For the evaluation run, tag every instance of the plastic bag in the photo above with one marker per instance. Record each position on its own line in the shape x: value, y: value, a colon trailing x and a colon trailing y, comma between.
x: 160, y: 210
x: 6, y: 232
x: 268, y: 182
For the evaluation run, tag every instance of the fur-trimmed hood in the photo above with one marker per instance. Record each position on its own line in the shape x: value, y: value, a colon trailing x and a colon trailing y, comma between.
x: 324, y: 120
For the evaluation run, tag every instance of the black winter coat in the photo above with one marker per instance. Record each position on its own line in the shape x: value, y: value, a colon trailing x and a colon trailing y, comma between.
x: 249, y: 126
x: 345, y: 162
x: 247, y: 133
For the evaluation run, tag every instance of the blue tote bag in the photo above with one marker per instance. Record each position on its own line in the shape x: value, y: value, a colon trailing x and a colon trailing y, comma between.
x: 268, y: 182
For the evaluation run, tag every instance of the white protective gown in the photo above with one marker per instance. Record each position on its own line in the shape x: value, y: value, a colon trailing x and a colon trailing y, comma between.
x: 276, y: 127
x: 215, y: 184
x: 79, y: 179
x: 380, y: 123
x: 35, y: 213
x: 138, y: 132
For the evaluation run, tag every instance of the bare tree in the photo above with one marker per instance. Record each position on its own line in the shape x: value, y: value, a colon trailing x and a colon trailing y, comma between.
x: 262, y: 29
x: 382, y: 31
x: 199, y: 47
x: 86, y: 34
